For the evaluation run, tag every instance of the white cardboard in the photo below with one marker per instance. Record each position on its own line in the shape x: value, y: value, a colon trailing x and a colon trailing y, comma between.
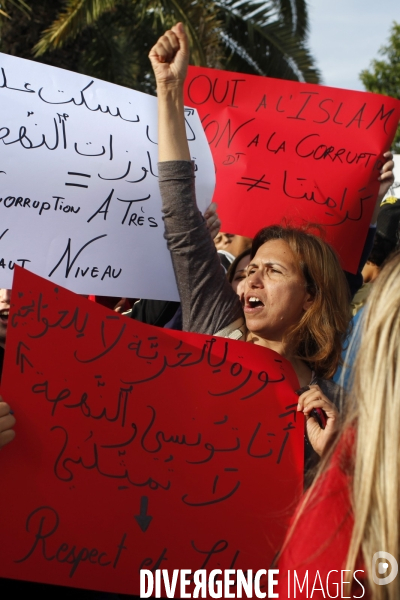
x: 60, y: 130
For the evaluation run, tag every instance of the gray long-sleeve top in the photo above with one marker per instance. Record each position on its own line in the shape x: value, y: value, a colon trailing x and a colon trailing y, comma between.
x: 208, y: 301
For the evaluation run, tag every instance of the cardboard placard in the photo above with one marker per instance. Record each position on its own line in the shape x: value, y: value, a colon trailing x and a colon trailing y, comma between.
x: 79, y: 197
x: 292, y: 151
x: 139, y: 447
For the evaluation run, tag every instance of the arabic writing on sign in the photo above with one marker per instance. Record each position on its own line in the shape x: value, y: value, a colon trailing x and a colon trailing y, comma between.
x: 177, y: 432
x: 284, y: 149
x: 79, y: 200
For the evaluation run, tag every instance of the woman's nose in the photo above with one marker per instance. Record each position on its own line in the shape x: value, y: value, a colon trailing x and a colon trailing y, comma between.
x: 254, y: 280
x: 5, y: 296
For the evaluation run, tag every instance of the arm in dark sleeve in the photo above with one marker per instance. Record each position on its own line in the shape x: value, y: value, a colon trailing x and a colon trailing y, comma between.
x: 208, y: 300
x: 355, y: 281
x: 154, y: 312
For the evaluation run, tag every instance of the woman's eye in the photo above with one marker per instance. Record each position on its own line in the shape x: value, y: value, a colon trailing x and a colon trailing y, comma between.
x: 239, y: 277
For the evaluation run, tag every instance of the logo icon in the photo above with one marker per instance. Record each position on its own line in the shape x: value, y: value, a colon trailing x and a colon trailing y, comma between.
x: 389, y: 565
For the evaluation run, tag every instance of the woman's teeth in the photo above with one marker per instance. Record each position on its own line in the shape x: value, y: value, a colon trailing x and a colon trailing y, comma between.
x: 253, y: 301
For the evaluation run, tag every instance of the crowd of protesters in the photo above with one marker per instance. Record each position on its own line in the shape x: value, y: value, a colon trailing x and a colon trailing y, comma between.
x: 285, y: 290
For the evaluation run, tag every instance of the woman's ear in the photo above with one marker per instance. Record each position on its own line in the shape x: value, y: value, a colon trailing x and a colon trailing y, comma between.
x: 308, y: 301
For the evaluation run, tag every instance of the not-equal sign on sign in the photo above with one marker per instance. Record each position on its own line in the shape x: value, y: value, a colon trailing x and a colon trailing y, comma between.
x: 82, y: 185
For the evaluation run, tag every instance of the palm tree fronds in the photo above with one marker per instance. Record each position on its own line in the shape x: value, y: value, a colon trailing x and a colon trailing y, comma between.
x: 20, y: 5
x: 267, y: 45
x: 110, y: 39
x: 77, y: 15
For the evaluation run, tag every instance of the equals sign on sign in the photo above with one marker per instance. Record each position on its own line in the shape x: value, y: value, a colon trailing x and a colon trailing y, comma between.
x: 82, y: 185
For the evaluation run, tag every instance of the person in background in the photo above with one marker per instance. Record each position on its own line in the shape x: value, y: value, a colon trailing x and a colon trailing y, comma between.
x: 352, y: 509
x: 231, y: 245
x: 237, y: 272
x: 7, y: 419
x: 5, y: 298
x: 235, y: 244
x: 385, y: 242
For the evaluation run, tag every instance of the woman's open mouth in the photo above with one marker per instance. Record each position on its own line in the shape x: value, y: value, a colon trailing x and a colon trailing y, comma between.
x: 4, y: 316
x: 253, y: 304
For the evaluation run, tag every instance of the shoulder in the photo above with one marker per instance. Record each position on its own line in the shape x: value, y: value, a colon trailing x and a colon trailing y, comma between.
x: 234, y: 331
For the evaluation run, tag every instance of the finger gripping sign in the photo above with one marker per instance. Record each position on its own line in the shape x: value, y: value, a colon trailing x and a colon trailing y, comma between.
x: 79, y: 199
x: 138, y: 447
x: 294, y: 151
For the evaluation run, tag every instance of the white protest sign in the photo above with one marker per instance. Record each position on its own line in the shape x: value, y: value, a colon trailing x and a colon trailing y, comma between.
x: 79, y: 197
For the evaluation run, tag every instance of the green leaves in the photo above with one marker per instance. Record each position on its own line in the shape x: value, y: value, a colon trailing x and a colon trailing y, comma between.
x: 110, y: 39
x: 384, y: 75
x: 19, y: 4
x: 265, y: 42
x: 77, y: 15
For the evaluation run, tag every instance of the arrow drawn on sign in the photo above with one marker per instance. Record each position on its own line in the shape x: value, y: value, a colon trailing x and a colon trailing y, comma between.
x: 21, y: 357
x: 143, y: 519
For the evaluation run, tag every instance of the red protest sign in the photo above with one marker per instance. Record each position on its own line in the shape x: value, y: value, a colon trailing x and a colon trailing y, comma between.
x: 289, y: 150
x: 138, y: 447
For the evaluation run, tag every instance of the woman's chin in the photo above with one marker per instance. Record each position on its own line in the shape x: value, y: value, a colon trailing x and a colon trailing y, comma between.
x: 263, y: 333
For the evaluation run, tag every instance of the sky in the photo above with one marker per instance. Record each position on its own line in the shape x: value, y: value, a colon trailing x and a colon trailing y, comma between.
x: 345, y: 36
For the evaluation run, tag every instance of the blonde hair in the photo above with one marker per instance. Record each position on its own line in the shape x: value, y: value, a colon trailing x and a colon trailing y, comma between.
x: 372, y: 413
x: 375, y: 408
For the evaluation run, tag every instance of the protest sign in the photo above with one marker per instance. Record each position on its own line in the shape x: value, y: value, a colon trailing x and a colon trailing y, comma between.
x: 138, y: 447
x: 289, y: 150
x: 79, y: 201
